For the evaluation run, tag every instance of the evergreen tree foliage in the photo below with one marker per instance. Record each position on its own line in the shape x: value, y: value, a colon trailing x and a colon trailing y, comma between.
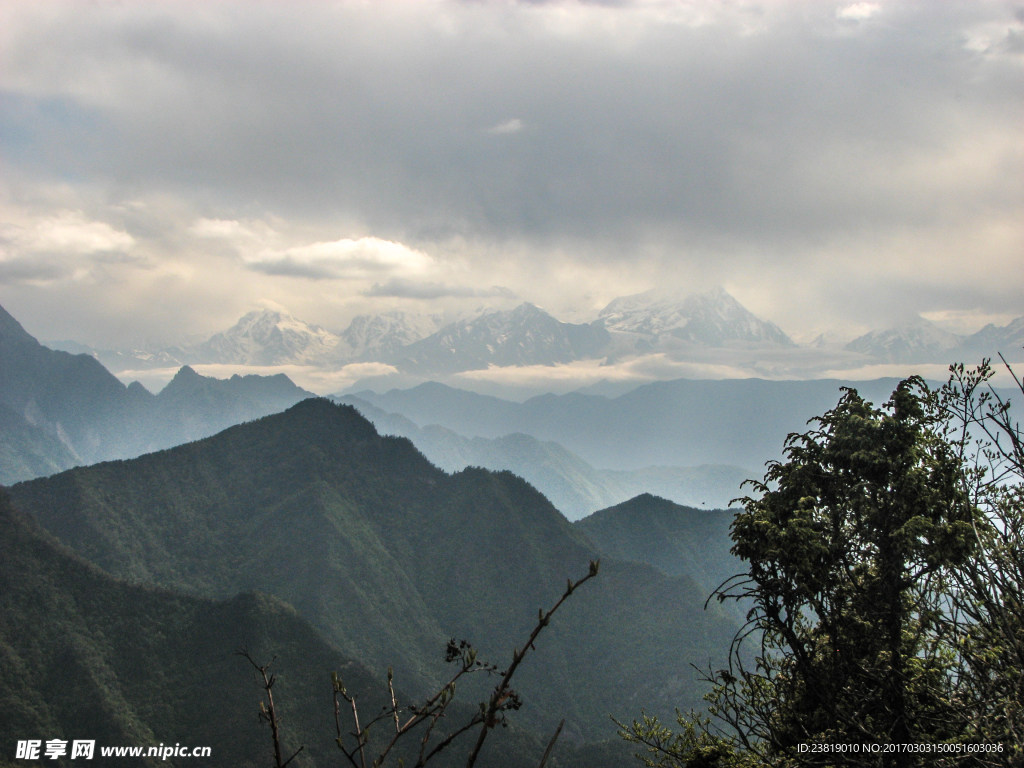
x: 851, y: 549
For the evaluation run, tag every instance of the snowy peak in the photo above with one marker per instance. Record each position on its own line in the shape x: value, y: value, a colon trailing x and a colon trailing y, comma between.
x: 710, y: 319
x: 376, y: 336
x: 645, y: 312
x: 992, y: 340
x: 266, y: 337
x: 918, y: 341
x: 526, y: 335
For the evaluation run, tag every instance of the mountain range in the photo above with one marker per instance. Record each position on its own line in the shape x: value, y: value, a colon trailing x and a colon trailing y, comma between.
x: 434, y: 344
x: 682, y: 326
x: 921, y: 341
x: 60, y: 410
x: 690, y: 441
x: 388, y: 557
x: 260, y: 516
x: 683, y: 423
x: 271, y: 337
x: 291, y: 507
x: 91, y: 416
x: 571, y: 484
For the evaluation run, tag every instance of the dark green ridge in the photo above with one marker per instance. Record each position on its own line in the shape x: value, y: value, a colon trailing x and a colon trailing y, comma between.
x: 85, y: 655
x: 675, y: 539
x: 389, y: 556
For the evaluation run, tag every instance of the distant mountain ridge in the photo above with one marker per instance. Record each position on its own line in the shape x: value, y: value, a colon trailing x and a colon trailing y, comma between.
x: 269, y: 337
x: 571, y: 484
x: 921, y: 341
x: 526, y: 335
x: 61, y: 410
x: 682, y: 325
x: 682, y: 423
x: 435, y: 344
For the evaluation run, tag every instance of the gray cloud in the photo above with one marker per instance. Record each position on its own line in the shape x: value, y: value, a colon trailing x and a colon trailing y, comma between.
x: 410, y: 289
x: 800, y: 128
x: 822, y: 162
x: 15, y: 271
x: 287, y: 267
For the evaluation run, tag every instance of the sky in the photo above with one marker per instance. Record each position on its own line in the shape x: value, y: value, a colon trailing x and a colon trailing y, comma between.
x: 166, y: 167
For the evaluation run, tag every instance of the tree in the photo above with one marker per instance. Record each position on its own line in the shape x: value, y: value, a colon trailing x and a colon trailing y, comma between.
x: 850, y: 546
x: 987, y: 613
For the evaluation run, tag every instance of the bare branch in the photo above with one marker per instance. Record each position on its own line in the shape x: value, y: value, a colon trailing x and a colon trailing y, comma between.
x: 268, y: 713
x: 551, y: 744
x: 502, y: 692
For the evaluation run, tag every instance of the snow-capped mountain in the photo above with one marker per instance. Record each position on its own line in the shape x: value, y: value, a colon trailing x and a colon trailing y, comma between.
x: 992, y: 340
x: 916, y: 342
x: 373, y: 337
x: 526, y: 335
x: 711, y: 319
x: 266, y: 337
x: 923, y: 342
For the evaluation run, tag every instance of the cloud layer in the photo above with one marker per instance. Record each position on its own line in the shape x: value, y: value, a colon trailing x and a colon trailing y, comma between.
x: 833, y: 164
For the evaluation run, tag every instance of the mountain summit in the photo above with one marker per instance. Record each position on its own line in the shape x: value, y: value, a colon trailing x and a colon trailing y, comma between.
x: 526, y: 335
x: 921, y: 341
x: 710, y: 319
x: 266, y: 337
x: 915, y: 342
x: 370, y: 337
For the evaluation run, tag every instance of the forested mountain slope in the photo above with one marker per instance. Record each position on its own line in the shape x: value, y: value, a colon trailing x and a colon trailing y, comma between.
x: 84, y: 655
x: 389, y: 557
x: 676, y: 540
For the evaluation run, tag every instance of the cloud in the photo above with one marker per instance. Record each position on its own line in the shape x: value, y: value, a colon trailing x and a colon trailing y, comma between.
x: 858, y: 11
x: 567, y: 377
x: 826, y: 170
x: 42, y: 249
x: 68, y: 232
x: 402, y: 288
x: 218, y: 229
x: 14, y: 271
x: 341, y: 259
x: 515, y: 125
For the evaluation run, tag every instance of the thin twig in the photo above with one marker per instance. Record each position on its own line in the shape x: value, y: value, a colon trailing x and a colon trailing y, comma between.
x: 501, y: 691
x: 551, y: 744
